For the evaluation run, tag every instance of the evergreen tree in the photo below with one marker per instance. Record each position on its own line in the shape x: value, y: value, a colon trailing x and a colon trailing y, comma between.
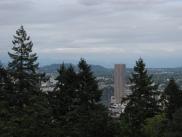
x: 25, y: 109
x: 63, y: 100
x: 23, y: 66
x: 142, y: 102
x: 75, y: 105
x: 92, y: 118
x: 172, y: 98
x: 88, y: 86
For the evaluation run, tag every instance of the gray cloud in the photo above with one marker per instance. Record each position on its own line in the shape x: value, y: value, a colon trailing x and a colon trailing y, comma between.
x: 68, y: 30
x: 18, y: 5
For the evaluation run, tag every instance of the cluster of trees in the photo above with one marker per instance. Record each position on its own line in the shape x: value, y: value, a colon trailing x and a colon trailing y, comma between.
x: 73, y: 109
x: 149, y: 112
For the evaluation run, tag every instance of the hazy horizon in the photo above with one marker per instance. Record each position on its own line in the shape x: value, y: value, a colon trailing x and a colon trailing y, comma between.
x: 102, y: 65
x: 104, y: 32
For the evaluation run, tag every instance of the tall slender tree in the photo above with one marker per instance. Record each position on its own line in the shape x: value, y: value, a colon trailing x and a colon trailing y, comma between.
x: 23, y: 64
x: 142, y: 103
x: 27, y: 107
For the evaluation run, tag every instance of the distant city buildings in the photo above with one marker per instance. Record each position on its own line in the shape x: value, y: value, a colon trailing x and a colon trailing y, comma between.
x: 48, y: 85
x: 115, y: 84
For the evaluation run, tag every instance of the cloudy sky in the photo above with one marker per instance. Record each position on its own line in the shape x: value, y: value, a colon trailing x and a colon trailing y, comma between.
x: 101, y: 31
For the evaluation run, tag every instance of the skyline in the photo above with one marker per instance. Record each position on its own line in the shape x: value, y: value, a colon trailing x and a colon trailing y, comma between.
x: 101, y: 31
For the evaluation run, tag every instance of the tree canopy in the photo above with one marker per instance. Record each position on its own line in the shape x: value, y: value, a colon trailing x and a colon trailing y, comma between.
x: 142, y: 103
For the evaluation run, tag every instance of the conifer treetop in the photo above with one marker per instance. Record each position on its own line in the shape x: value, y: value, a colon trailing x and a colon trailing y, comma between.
x: 23, y: 64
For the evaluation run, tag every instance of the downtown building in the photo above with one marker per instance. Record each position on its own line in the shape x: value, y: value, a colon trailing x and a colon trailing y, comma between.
x: 116, y: 108
x: 119, y: 82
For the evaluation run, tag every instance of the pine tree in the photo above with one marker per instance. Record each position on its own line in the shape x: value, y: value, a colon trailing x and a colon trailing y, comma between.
x: 63, y: 100
x: 142, y: 102
x: 172, y: 98
x: 75, y: 104
x: 65, y: 89
x: 88, y: 87
x: 23, y: 65
x: 27, y: 109
x: 92, y: 118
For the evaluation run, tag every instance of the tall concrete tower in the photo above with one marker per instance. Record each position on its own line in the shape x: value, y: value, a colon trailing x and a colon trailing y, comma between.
x: 119, y: 82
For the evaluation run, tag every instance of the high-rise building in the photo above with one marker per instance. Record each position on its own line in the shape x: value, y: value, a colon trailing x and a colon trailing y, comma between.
x: 119, y: 82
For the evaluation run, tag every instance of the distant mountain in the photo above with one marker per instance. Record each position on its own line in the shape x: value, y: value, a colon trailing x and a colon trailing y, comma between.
x: 97, y: 69
x: 101, y: 71
x: 50, y: 68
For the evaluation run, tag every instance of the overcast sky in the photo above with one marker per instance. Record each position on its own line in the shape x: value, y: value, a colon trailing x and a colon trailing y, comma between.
x: 101, y: 31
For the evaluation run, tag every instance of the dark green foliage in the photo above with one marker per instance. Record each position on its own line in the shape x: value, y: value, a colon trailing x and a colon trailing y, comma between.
x: 66, y: 87
x: 155, y: 126
x: 125, y: 130
x: 94, y: 123
x: 75, y: 105
x: 23, y: 66
x: 30, y: 120
x: 142, y: 103
x: 5, y: 99
x: 172, y: 98
x: 63, y: 100
x: 92, y: 118
x: 24, y: 109
x: 88, y: 86
x: 174, y: 128
x: 5, y: 79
